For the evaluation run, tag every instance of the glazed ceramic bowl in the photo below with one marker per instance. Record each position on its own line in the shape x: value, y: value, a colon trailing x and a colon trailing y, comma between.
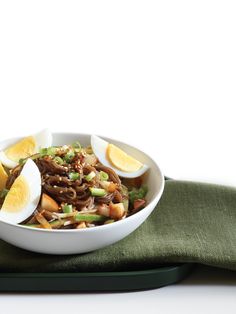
x: 76, y: 241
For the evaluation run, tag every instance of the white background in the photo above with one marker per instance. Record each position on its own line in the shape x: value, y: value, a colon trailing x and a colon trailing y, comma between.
x: 158, y: 74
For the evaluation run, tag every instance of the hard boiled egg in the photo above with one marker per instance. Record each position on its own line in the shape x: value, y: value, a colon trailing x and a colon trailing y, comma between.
x: 112, y: 156
x: 23, y: 196
x: 25, y: 148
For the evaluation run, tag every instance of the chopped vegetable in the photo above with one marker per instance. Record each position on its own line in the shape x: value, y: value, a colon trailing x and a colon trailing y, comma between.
x: 59, y: 160
x: 48, y: 203
x: 139, y: 204
x: 22, y: 161
x: 103, y: 176
x: 65, y: 215
x: 90, y: 176
x: 74, y: 176
x: 67, y: 209
x: 97, y: 192
x: 90, y: 159
x: 112, y: 187
x: 136, y: 194
x: 117, y: 211
x: 89, y: 217
x: 81, y: 225
x: 50, y: 151
x: 43, y: 152
x: 109, y: 186
x: 69, y: 156
x: 77, y: 146
x: 104, y: 210
x: 109, y: 221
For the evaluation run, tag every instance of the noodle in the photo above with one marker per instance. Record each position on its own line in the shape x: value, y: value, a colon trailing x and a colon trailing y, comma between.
x: 73, y: 179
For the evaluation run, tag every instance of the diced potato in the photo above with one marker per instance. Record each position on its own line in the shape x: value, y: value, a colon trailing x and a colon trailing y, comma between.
x: 109, y: 186
x: 81, y: 225
x: 117, y: 211
x: 112, y: 187
x: 48, y: 203
x: 104, y: 210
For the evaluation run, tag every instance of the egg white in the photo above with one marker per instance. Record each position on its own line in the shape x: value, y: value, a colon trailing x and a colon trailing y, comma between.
x: 99, y: 147
x: 42, y: 139
x: 32, y: 176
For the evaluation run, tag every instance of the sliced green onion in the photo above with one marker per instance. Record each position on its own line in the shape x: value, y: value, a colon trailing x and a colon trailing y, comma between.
x: 3, y: 193
x: 43, y: 152
x: 22, y: 161
x: 67, y: 209
x: 33, y: 157
x: 50, y: 151
x: 89, y: 217
x: 69, y: 156
x: 59, y: 160
x: 77, y: 146
x: 97, y: 192
x: 90, y: 176
x: 74, y: 176
x: 103, y: 176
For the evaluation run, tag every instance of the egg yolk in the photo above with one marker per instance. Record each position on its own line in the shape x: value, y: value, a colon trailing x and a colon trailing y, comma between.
x: 18, y: 196
x: 3, y: 177
x: 121, y: 160
x: 22, y: 149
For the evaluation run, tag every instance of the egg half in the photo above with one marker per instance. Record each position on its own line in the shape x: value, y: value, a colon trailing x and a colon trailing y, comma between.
x: 24, y: 148
x: 23, y: 196
x: 112, y: 156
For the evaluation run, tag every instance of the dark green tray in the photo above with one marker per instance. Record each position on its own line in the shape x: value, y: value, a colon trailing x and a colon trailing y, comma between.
x: 104, y: 281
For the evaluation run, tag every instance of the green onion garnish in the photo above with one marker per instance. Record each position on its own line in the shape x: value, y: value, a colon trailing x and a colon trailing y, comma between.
x: 58, y: 160
x: 69, y: 156
x: 77, y: 146
x: 43, y: 152
x: 74, y: 176
x: 22, y: 161
x: 97, y: 192
x: 50, y: 151
x: 67, y: 209
x: 3, y: 193
x: 90, y: 176
x: 103, y: 176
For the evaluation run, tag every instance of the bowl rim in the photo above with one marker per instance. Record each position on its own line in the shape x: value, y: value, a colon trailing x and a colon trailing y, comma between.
x: 156, y: 198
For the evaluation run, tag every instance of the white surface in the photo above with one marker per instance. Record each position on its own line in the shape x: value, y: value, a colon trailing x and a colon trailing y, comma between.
x: 156, y: 73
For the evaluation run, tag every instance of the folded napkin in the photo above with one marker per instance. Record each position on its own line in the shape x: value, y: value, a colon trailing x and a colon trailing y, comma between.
x: 194, y: 222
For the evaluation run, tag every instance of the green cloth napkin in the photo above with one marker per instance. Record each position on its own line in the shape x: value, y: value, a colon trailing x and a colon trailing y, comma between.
x: 194, y: 222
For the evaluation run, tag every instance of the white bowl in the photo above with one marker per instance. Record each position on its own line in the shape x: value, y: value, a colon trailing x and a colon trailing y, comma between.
x: 84, y: 240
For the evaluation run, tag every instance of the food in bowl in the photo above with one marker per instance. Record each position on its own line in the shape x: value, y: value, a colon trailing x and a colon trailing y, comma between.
x: 69, y: 186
